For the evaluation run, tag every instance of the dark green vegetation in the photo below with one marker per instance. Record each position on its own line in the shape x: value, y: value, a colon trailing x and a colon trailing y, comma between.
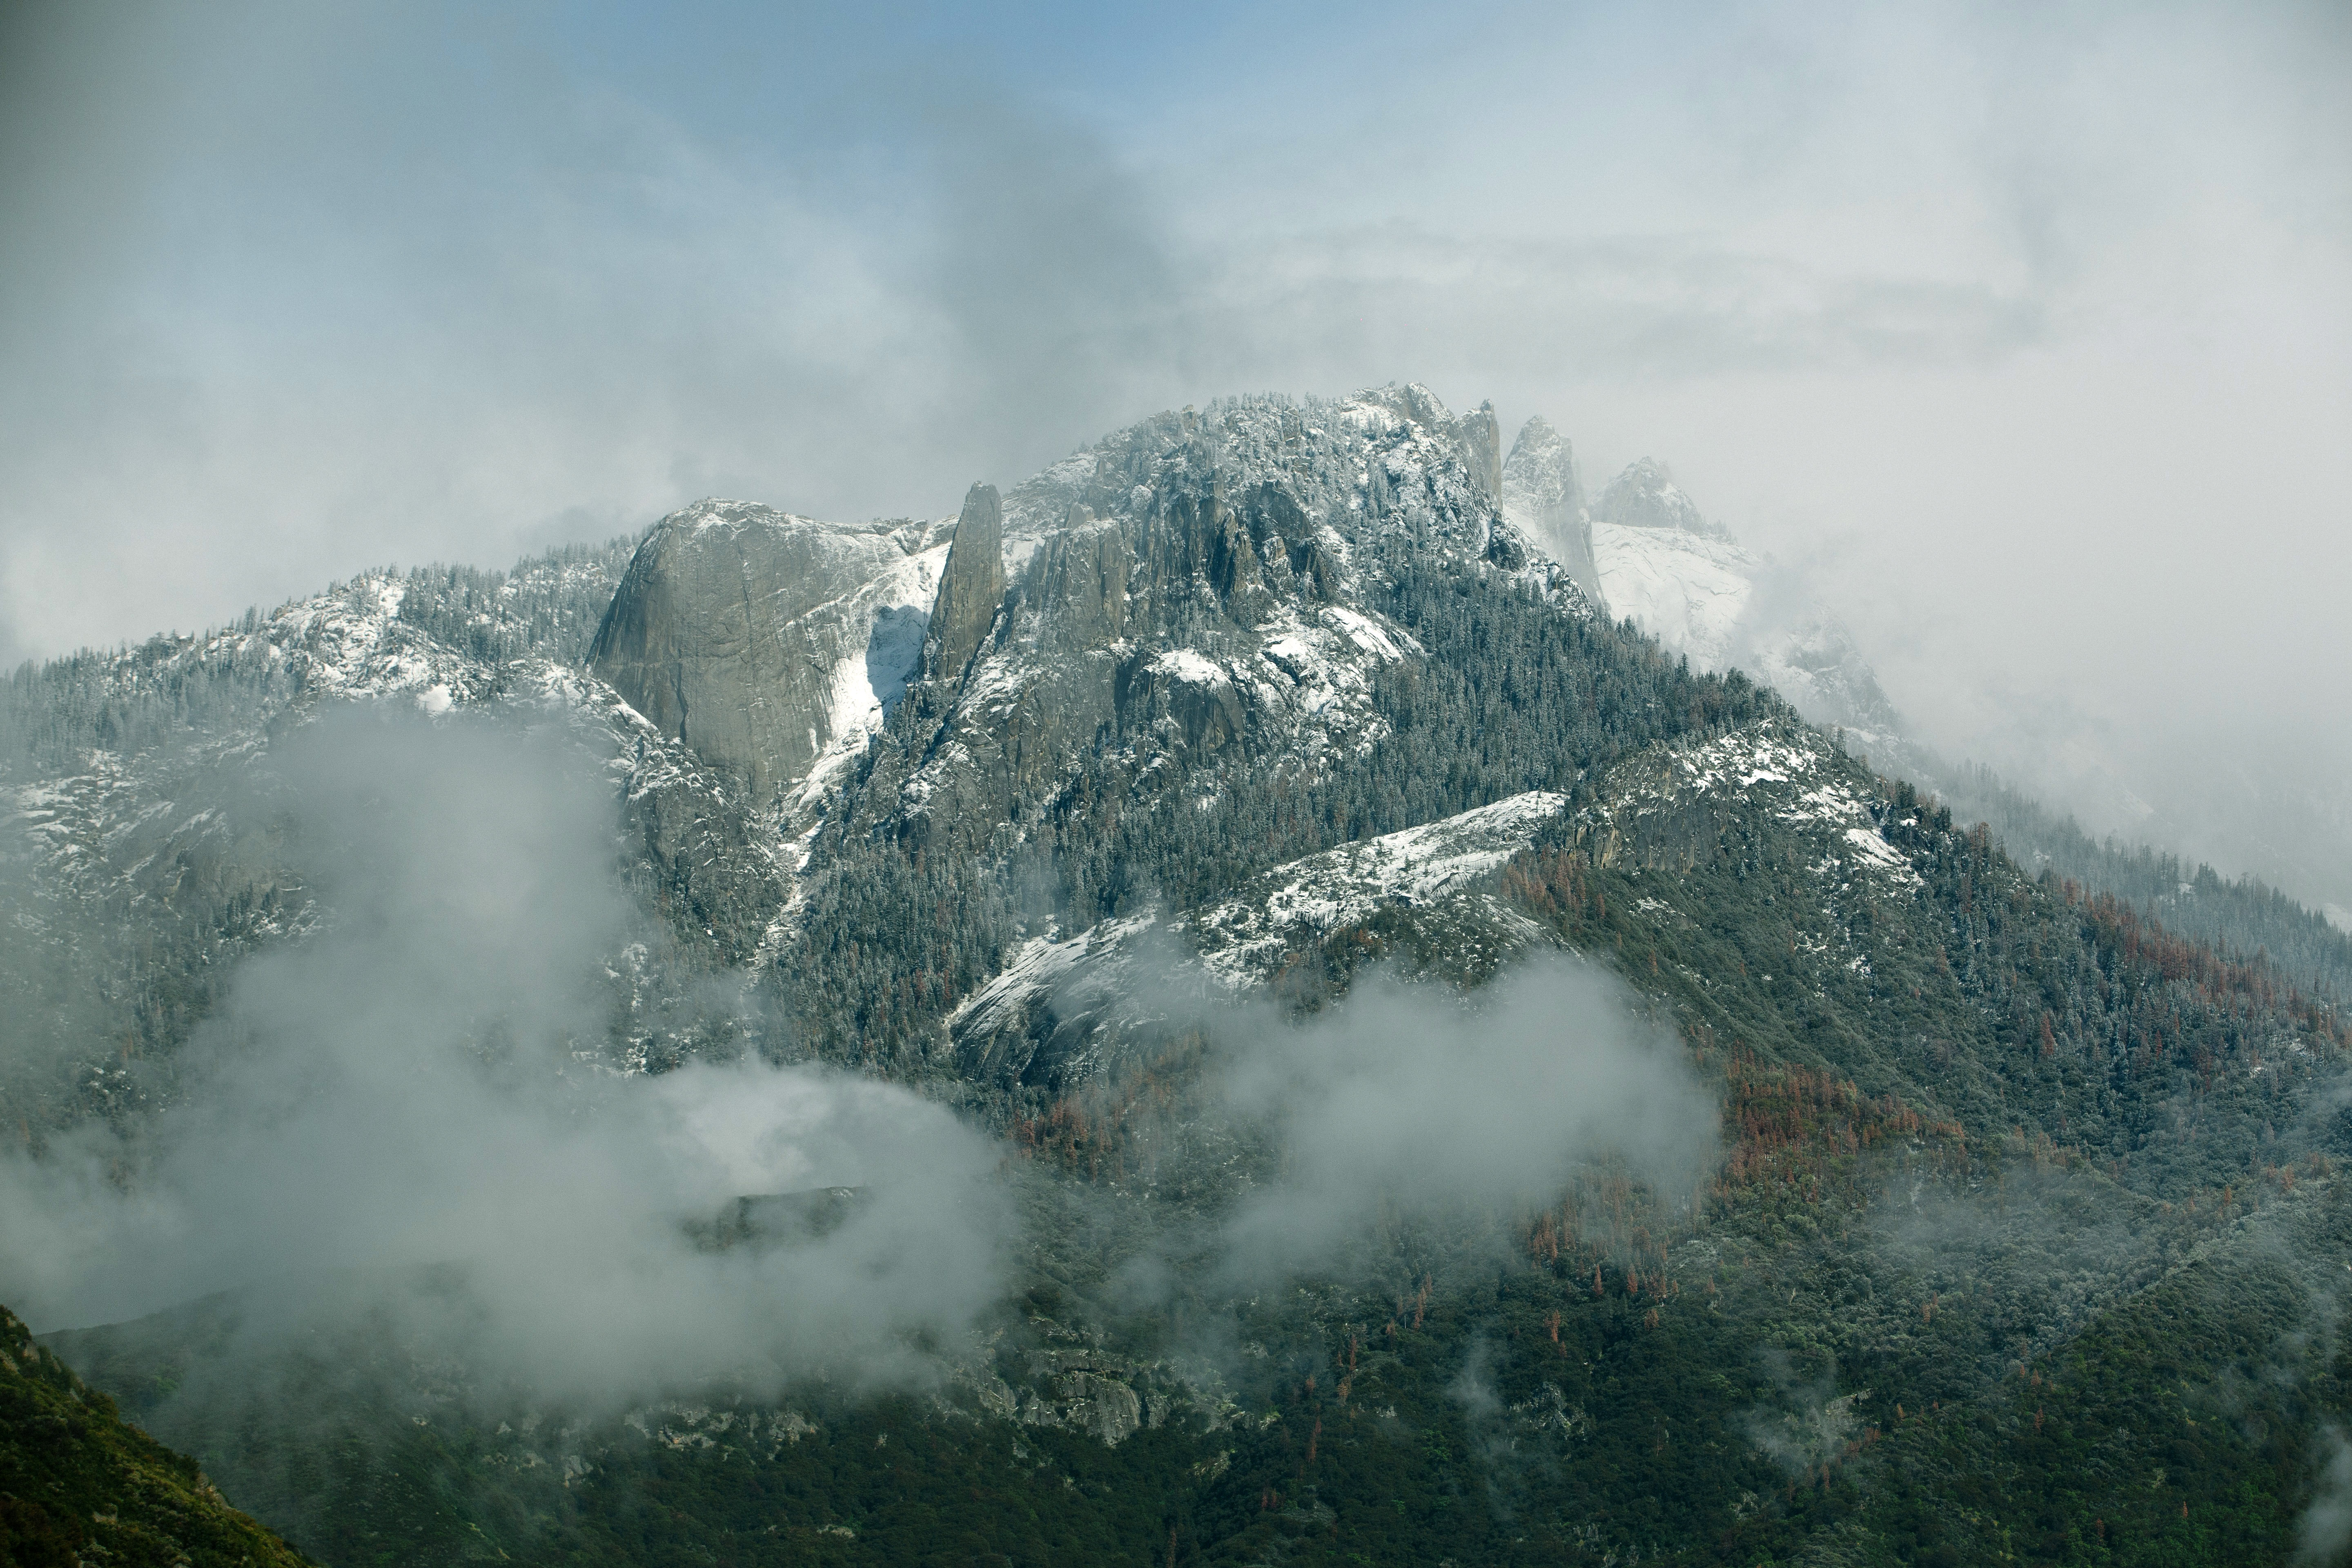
x: 2240, y: 916
x: 79, y: 1484
x: 2025, y: 1241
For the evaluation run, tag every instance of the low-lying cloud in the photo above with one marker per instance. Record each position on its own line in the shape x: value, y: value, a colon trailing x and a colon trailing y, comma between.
x: 422, y: 1084
x: 2326, y: 1533
x: 1414, y: 1103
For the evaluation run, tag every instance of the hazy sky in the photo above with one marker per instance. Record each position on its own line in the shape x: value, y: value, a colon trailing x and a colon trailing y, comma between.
x: 2031, y: 328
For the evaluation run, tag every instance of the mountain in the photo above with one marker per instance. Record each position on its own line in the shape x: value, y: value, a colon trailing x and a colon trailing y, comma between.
x: 1462, y: 1078
x: 1543, y: 494
x: 1686, y: 581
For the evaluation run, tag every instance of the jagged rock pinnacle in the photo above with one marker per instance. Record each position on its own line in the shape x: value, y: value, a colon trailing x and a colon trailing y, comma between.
x: 973, y: 587
x: 1543, y: 493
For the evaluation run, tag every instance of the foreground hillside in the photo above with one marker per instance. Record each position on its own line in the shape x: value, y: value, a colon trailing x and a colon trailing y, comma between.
x: 79, y: 1484
x: 1450, y: 1081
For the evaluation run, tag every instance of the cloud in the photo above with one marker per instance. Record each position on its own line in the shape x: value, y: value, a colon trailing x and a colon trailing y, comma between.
x: 407, y: 1113
x: 418, y: 1085
x: 437, y: 287
x: 1518, y: 312
x: 1811, y: 1423
x: 2326, y: 1533
x: 1412, y: 1103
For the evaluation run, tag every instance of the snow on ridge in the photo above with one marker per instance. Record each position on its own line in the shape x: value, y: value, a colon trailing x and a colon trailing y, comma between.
x: 352, y: 643
x: 1370, y: 636
x: 1304, y: 899
x: 1041, y: 963
x: 1337, y: 888
x: 720, y: 512
x: 1792, y: 771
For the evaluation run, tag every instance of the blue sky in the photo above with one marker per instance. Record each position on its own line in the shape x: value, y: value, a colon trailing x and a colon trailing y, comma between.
x: 2055, y: 299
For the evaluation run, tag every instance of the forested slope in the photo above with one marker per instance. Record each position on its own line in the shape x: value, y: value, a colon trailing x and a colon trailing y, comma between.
x: 77, y: 1483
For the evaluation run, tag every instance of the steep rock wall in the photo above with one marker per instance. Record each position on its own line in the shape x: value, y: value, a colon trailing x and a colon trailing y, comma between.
x: 756, y: 637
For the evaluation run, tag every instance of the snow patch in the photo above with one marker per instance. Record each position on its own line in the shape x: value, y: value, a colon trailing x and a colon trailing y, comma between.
x: 1689, y: 590
x: 1321, y: 893
x: 1183, y: 664
x: 1040, y: 964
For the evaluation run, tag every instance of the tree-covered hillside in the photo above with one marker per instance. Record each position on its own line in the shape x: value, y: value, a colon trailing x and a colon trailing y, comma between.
x: 78, y: 1484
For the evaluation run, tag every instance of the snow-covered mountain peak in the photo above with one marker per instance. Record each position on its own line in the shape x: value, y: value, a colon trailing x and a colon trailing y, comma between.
x: 1691, y: 585
x: 1689, y: 590
x: 1541, y: 471
x: 1206, y: 582
x: 1318, y: 448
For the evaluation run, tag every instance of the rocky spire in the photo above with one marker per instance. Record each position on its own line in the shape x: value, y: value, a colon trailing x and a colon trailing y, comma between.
x: 1482, y: 437
x: 973, y: 587
x: 1543, y: 493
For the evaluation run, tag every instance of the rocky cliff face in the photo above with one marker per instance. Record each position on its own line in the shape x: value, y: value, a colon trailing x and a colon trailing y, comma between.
x: 972, y: 589
x: 1542, y: 492
x: 1482, y: 440
x: 756, y: 637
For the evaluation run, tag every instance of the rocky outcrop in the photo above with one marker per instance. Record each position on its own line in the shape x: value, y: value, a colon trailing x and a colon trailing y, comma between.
x: 1482, y: 441
x: 1645, y: 496
x: 1081, y: 583
x: 1543, y: 493
x: 972, y: 590
x: 706, y: 866
x: 756, y: 637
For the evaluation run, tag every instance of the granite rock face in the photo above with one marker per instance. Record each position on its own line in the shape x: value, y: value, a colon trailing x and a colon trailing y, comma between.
x: 973, y: 587
x: 1482, y: 438
x: 1081, y: 575
x: 1543, y: 493
x: 756, y: 637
